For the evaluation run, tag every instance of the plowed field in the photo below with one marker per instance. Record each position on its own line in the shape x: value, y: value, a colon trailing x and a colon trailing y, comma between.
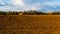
x: 30, y: 24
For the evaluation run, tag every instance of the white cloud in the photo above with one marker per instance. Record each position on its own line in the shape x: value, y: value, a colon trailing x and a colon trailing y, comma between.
x: 2, y: 3
x: 4, y: 8
x: 52, y: 3
x: 33, y: 8
x: 20, y: 5
x: 18, y: 2
x: 8, y: 8
x: 37, y: 6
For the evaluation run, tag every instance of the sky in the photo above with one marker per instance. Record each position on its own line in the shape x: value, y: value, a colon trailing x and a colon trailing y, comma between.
x: 18, y: 5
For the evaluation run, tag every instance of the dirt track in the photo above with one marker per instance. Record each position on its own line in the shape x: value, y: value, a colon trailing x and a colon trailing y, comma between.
x: 30, y: 24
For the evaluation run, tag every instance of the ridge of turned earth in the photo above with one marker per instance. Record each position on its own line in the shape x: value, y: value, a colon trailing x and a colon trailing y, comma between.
x: 29, y: 24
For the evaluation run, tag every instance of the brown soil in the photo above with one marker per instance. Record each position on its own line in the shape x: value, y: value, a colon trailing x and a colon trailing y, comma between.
x: 30, y: 24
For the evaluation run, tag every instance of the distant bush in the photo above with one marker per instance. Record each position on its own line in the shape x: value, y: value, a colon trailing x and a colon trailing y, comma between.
x: 34, y: 13
x: 12, y: 13
x: 2, y: 13
x: 56, y: 13
x: 31, y: 12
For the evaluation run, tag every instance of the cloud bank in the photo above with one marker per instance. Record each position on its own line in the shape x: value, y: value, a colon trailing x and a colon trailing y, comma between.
x: 17, y: 5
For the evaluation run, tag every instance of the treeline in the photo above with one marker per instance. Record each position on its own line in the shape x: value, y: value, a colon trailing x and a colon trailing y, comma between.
x: 34, y: 13
x: 3, y: 13
x: 28, y: 13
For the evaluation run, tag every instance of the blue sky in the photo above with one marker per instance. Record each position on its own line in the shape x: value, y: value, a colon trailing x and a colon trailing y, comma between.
x: 17, y: 5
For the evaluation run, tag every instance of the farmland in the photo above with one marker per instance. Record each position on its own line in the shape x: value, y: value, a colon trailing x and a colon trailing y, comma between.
x: 29, y: 24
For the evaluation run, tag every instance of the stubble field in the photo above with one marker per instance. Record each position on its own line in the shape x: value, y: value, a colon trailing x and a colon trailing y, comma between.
x: 30, y: 24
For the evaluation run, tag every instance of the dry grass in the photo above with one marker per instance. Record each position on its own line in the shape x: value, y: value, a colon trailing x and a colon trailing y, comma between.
x: 30, y: 24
